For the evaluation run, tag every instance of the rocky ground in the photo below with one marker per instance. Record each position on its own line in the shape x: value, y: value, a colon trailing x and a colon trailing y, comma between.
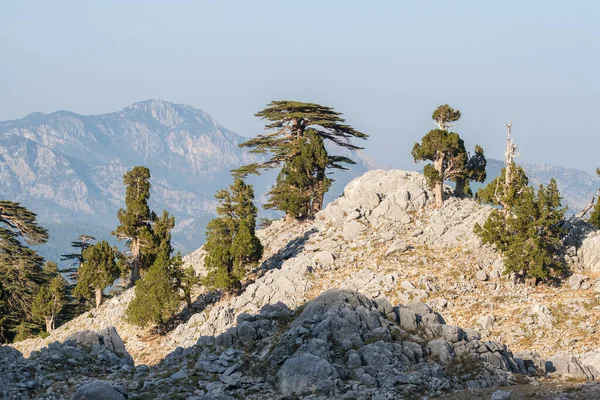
x: 383, y: 240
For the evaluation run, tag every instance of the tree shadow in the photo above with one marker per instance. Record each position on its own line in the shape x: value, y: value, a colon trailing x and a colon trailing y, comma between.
x: 290, y: 250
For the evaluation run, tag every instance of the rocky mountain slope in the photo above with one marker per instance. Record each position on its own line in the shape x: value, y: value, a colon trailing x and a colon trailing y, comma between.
x: 63, y: 164
x: 287, y: 333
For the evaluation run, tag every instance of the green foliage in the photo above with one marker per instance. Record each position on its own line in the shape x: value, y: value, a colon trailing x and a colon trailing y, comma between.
x: 187, y: 279
x: 292, y: 126
x: 302, y: 184
x: 494, y: 194
x: 595, y: 215
x: 136, y: 219
x: 20, y: 266
x: 446, y: 150
x: 22, y: 331
x: 159, y: 293
x: 156, y: 295
x: 231, y: 243
x: 98, y: 271
x: 528, y: 235
x: 51, y: 297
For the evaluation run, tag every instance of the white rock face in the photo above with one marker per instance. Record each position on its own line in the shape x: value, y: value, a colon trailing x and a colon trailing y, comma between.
x: 589, y: 253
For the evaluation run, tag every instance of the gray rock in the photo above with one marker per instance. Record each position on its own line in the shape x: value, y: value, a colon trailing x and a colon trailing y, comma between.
x: 576, y: 280
x: 419, y: 307
x: 99, y: 390
x: 408, y: 319
x: 397, y: 246
x: 568, y: 366
x: 352, y: 230
x: 486, y: 321
x: 441, y: 350
x: 481, y: 276
x: 501, y: 395
x: 306, y: 374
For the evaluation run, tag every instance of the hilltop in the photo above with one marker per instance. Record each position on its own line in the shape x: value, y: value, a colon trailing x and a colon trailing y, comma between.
x: 417, y: 267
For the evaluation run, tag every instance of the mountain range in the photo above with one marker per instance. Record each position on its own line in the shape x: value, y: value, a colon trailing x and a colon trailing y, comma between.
x: 68, y: 168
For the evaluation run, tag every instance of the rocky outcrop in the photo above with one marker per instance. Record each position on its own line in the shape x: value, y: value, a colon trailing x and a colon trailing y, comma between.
x: 56, y: 371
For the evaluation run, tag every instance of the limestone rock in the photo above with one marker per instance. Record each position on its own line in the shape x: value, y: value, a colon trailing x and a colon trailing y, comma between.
x: 99, y: 390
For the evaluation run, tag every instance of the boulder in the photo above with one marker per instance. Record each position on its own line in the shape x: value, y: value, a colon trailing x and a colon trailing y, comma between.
x: 398, y: 246
x: 306, y: 374
x: 99, y: 390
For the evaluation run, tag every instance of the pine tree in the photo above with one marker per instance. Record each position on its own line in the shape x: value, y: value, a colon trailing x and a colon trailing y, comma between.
x: 447, y: 152
x: 98, y: 271
x: 302, y: 184
x: 76, y: 258
x: 187, y: 279
x: 291, y: 125
x: 136, y: 219
x: 20, y: 266
x: 528, y: 236
x: 595, y: 215
x: 231, y: 243
x: 50, y: 298
x: 157, y: 296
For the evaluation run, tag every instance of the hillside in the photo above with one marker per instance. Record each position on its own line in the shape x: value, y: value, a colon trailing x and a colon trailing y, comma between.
x: 62, y: 165
x: 421, y: 269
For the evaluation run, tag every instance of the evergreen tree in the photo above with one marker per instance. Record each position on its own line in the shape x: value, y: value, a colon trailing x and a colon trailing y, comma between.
x: 495, y: 192
x: 595, y: 215
x: 136, y: 219
x: 446, y: 150
x: 231, y: 242
x: 76, y: 258
x: 187, y: 279
x: 20, y: 266
x: 302, y: 184
x: 473, y: 169
x: 98, y: 271
x: 50, y: 298
x: 528, y: 236
x: 291, y: 126
x: 157, y: 294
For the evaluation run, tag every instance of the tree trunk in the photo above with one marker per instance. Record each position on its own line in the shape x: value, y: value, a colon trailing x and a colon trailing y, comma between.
x: 439, y: 185
x: 459, y: 191
x: 136, y: 263
x: 319, y: 193
x: 49, y: 323
x: 98, y: 297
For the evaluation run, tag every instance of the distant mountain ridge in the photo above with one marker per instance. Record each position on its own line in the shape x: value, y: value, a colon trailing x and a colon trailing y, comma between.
x: 68, y: 168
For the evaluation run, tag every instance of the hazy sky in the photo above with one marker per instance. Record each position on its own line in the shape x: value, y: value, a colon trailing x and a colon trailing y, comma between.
x: 385, y: 64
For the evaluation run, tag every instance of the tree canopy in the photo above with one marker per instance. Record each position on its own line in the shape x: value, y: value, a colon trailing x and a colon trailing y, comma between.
x: 98, y: 271
x: 20, y: 266
x: 450, y: 160
x: 136, y: 219
x: 231, y: 243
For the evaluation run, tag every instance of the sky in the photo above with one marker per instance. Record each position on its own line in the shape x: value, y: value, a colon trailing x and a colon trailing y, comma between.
x: 385, y: 64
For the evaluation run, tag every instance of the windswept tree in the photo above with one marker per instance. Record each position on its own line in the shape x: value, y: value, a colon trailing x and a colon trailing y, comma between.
x: 20, y: 266
x: 157, y: 296
x: 136, y: 219
x: 98, y: 271
x: 302, y: 183
x: 231, y: 242
x: 51, y: 297
x: 450, y: 160
x: 76, y: 258
x: 291, y: 126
